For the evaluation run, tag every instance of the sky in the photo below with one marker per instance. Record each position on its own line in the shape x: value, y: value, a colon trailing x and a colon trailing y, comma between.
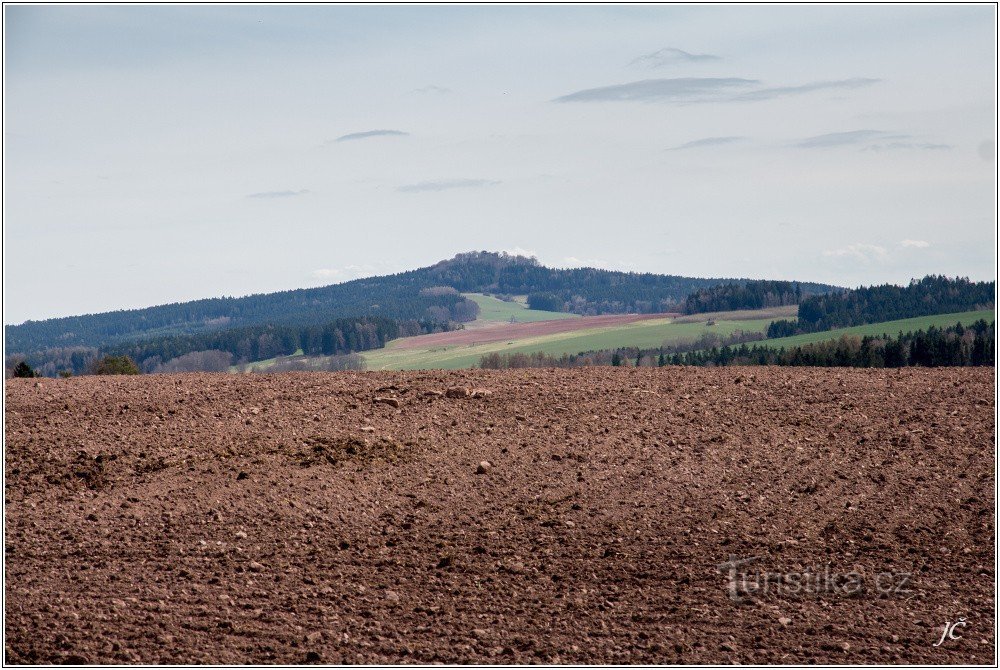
x: 157, y: 154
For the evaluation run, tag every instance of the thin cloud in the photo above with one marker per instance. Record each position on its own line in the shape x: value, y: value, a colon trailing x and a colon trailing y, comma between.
x: 922, y: 146
x: 707, y: 142
x: 370, y: 133
x: 432, y: 89
x: 346, y: 273
x: 446, y: 184
x: 915, y: 244
x: 846, y: 138
x: 685, y: 89
x: 521, y: 251
x: 574, y: 262
x: 669, y: 55
x: 278, y: 194
x: 705, y: 89
x: 860, y: 252
x: 781, y: 91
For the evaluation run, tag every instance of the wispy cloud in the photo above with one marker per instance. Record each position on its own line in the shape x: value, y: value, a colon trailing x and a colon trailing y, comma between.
x: 773, y: 92
x: 446, y: 184
x: 987, y: 150
x: 685, y: 89
x: 521, y: 251
x: 923, y: 146
x: 346, y: 273
x: 847, y: 138
x: 669, y: 55
x: 860, y: 252
x: 278, y: 194
x: 915, y: 244
x: 705, y: 89
x: 574, y: 262
x: 707, y: 142
x: 432, y: 89
x: 370, y: 133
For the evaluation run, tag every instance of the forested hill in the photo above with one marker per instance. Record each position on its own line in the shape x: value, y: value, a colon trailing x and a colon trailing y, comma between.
x: 934, y: 294
x: 421, y: 294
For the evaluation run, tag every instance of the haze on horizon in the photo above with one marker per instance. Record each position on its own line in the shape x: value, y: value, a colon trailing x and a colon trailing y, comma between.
x: 157, y: 154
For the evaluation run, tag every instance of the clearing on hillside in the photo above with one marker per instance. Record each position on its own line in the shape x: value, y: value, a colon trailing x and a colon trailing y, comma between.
x: 493, y: 309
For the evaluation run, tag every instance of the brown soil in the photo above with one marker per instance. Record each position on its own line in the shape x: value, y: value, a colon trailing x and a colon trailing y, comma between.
x: 570, y: 516
x: 500, y: 332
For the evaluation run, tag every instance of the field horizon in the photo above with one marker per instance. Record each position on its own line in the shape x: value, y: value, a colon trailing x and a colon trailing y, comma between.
x: 519, y: 516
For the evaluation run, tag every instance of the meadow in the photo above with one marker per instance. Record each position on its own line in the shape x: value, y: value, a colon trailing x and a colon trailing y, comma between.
x: 493, y: 309
x: 886, y: 328
x: 644, y: 334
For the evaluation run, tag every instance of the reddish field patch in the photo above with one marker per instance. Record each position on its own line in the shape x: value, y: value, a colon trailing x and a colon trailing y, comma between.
x: 514, y: 331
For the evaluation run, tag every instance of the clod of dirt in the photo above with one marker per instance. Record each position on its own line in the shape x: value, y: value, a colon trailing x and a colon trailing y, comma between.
x: 336, y: 451
x: 458, y: 392
x: 784, y: 621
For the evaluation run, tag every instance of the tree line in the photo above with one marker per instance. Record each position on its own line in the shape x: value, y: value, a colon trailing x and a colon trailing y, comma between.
x: 430, y: 293
x: 934, y: 347
x: 934, y: 294
x: 216, y: 350
x: 751, y: 295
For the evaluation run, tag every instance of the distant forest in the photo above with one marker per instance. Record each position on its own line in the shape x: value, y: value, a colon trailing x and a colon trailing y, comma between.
x: 935, y: 347
x: 364, y: 314
x: 934, y: 294
x: 262, y: 326
x: 217, y: 350
x: 426, y: 294
x: 750, y: 295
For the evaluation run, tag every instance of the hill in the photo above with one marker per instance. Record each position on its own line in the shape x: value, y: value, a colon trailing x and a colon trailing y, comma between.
x: 421, y: 301
x: 464, y: 349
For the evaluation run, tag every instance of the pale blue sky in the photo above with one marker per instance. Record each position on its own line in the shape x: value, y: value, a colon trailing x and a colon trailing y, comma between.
x: 157, y: 154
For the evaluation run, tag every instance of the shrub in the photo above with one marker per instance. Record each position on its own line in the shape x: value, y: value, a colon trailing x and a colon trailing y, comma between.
x: 22, y: 369
x: 116, y: 365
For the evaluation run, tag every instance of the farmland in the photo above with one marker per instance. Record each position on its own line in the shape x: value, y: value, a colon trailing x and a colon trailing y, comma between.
x: 557, y: 516
x: 645, y: 331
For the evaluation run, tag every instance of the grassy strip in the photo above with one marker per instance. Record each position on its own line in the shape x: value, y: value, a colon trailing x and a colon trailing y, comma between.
x: 884, y: 328
x: 644, y: 334
x: 493, y: 309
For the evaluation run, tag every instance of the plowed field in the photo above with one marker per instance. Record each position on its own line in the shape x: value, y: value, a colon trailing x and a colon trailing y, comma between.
x: 675, y: 515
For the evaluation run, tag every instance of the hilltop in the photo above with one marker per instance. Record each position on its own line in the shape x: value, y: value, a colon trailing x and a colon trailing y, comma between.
x: 359, y: 314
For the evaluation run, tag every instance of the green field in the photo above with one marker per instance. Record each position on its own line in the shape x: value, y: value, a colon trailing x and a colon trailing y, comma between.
x: 643, y: 334
x: 886, y: 327
x: 493, y: 309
